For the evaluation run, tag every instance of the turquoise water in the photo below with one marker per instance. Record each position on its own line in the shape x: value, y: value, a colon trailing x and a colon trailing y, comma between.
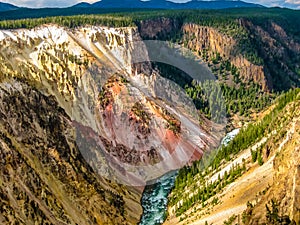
x: 155, y: 197
x: 154, y: 200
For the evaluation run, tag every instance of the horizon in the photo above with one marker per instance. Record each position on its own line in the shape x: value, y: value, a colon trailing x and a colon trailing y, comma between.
x: 292, y: 4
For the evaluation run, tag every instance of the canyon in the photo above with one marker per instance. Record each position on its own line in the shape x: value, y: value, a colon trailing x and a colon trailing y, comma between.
x: 266, y: 192
x: 87, y: 120
x: 79, y: 87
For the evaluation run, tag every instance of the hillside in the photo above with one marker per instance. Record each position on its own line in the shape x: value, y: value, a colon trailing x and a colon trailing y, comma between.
x: 257, y: 183
x: 243, y: 48
x: 7, y: 7
x: 263, y: 44
x: 90, y: 114
x: 68, y: 99
x: 253, y: 54
x: 163, y: 4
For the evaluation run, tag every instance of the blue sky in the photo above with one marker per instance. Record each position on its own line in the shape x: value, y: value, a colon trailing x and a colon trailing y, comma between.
x: 295, y: 4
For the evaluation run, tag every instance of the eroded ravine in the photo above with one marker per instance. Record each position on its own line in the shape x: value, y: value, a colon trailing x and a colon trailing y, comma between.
x: 155, y: 195
x: 101, y: 104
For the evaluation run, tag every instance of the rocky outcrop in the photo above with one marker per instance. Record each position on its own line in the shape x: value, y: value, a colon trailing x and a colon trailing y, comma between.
x: 286, y: 180
x: 160, y: 28
x: 209, y: 38
x: 44, y: 178
x: 269, y: 56
x: 87, y: 121
x: 279, y: 51
x: 203, y: 38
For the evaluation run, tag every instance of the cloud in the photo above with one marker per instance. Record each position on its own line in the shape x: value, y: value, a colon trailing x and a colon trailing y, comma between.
x: 45, y: 3
x: 297, y: 2
x: 294, y: 4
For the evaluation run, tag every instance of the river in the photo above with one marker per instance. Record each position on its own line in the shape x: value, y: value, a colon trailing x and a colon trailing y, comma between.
x: 155, y: 199
x: 155, y: 196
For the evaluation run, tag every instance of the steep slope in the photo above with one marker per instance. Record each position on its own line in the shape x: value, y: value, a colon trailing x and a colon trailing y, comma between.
x: 89, y: 71
x: 237, y: 47
x: 84, y: 120
x: 114, y: 120
x: 7, y: 7
x: 263, y: 44
x: 253, y: 57
x: 44, y: 178
x: 257, y: 185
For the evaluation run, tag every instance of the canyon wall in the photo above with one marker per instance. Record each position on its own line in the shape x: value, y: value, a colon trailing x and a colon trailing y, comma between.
x: 274, y: 65
x: 84, y: 127
x: 202, y: 38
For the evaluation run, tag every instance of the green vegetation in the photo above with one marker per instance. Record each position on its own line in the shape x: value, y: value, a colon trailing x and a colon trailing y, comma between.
x: 173, y: 124
x: 254, y: 131
x: 216, y: 100
x: 246, y: 137
x: 235, y: 23
x: 78, y: 60
x: 227, y: 21
x: 260, y: 159
x: 202, y: 191
x: 230, y: 221
x: 140, y: 112
x: 240, y: 98
x: 246, y: 98
x: 254, y: 155
x: 104, y: 97
x: 246, y: 215
x: 207, y: 97
x: 24, y: 13
x: 69, y: 21
x: 273, y: 214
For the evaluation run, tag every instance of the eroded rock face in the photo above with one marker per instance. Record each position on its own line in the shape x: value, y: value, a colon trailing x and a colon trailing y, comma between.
x: 285, y: 189
x: 159, y: 28
x: 82, y: 118
x: 278, y: 51
x: 208, y: 38
x: 44, y: 178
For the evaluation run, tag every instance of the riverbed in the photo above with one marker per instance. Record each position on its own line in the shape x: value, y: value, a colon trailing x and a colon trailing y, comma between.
x: 155, y: 199
x: 155, y: 196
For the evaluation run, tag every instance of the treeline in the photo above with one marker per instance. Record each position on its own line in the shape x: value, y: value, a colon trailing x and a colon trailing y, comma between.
x: 25, y: 13
x: 254, y: 131
x: 226, y: 20
x: 232, y: 23
x: 212, y: 99
x: 246, y: 137
x: 206, y: 18
x: 205, y: 190
x: 208, y: 99
x: 229, y: 22
x: 216, y: 100
x: 69, y: 21
x: 246, y: 98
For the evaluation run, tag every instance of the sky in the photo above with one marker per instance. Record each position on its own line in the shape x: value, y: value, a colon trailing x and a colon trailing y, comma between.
x: 295, y: 4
